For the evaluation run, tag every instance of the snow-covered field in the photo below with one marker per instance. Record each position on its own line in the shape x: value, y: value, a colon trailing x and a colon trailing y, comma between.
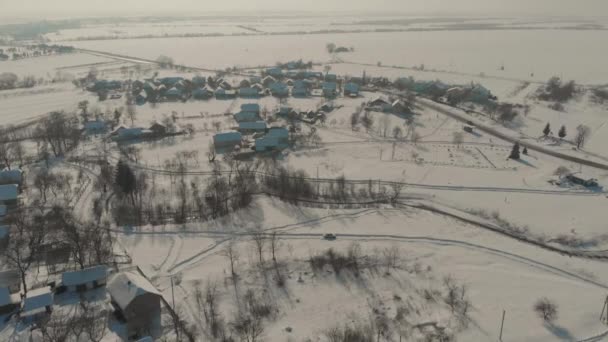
x: 501, y: 274
x: 473, y: 179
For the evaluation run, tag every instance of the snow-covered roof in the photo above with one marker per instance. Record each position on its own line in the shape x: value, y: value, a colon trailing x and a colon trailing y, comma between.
x: 227, y: 136
x: 9, y: 192
x: 37, y: 299
x: 6, y: 298
x: 88, y: 275
x: 10, y: 176
x: 250, y: 107
x: 126, y: 286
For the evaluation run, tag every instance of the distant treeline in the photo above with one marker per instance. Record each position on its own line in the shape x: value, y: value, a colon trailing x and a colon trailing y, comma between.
x: 36, y: 29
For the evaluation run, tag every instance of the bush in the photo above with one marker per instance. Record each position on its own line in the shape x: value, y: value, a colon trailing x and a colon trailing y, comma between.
x: 557, y: 91
x: 546, y: 309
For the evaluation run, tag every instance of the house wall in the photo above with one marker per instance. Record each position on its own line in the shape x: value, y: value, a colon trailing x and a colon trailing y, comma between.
x: 142, y: 313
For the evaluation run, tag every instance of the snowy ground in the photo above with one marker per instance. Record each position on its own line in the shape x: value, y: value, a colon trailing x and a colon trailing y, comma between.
x: 501, y: 273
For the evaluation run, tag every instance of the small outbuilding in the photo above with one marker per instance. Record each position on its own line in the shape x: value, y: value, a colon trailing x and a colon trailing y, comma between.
x: 252, y: 127
x: 9, y: 194
x: 136, y: 299
x: 36, y: 302
x: 12, y: 176
x: 82, y: 280
x: 227, y: 140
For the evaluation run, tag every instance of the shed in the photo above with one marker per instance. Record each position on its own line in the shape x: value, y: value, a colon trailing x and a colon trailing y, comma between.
x: 227, y: 139
x: 252, y: 127
x: 246, y: 117
x: 9, y: 193
x: 249, y: 92
x: 95, y: 127
x: 223, y: 94
x: 250, y: 107
x: 158, y: 128
x: 136, y: 298
x: 37, y: 301
x: 351, y: 89
x: 14, y: 176
x: 330, y: 89
x: 83, y: 280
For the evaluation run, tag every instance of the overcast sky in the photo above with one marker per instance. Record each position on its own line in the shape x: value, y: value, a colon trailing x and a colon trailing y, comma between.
x: 48, y: 8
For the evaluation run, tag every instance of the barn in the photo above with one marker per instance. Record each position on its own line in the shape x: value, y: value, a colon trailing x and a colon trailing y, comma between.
x: 136, y: 299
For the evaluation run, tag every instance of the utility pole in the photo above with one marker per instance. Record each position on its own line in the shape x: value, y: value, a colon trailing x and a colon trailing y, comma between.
x: 502, y: 323
x: 604, y: 319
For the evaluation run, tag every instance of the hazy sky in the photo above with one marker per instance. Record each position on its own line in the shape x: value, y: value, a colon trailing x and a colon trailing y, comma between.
x: 47, y: 8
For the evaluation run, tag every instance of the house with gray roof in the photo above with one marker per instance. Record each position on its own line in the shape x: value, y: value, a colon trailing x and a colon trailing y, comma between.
x: 136, y: 299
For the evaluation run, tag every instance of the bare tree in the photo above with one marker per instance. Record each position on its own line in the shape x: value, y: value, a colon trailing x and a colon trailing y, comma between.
x: 27, y: 235
x: 231, y: 253
x: 546, y: 309
x: 208, y: 303
x: 582, y: 135
x: 458, y: 138
x: 391, y: 256
x: 259, y: 243
x: 397, y: 133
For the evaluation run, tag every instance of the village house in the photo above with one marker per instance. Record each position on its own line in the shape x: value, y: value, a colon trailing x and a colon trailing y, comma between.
x: 158, y: 129
x: 227, y: 140
x: 250, y: 107
x: 330, y: 89
x: 249, y: 92
x: 380, y: 104
x: 86, y: 279
x: 199, y: 81
x: 37, y: 302
x: 331, y: 78
x: 95, y: 127
x: 223, y: 94
x: 13, y: 176
x: 202, y: 93
x: 277, y: 138
x: 9, y: 195
x: 279, y: 89
x: 275, y: 72
x: 246, y: 117
x: 268, y: 81
x: 252, y: 127
x: 123, y: 133
x: 170, y: 81
x: 400, y: 107
x: 351, y: 89
x: 137, y: 300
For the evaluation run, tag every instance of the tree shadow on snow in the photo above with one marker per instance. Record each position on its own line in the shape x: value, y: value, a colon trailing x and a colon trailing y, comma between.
x: 526, y: 163
x: 560, y: 332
